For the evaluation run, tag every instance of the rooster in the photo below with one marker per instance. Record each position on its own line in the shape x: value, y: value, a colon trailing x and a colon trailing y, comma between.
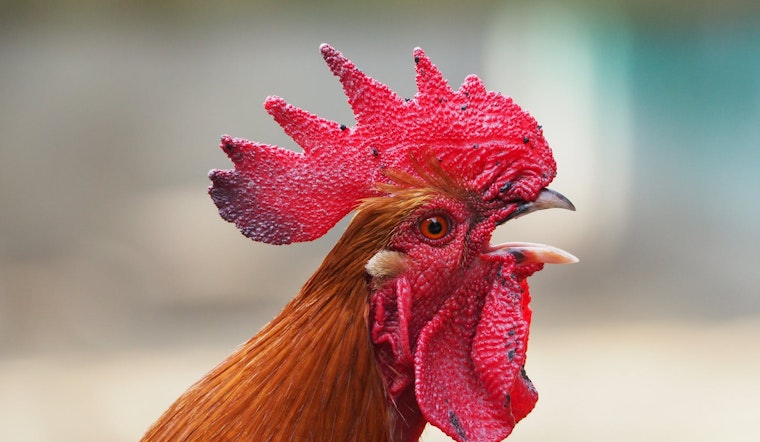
x: 413, y: 317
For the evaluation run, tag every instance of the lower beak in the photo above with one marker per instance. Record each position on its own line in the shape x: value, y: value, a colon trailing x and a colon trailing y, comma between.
x: 528, y: 252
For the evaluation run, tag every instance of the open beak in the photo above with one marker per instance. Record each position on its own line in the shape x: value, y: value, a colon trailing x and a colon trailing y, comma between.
x: 527, y: 252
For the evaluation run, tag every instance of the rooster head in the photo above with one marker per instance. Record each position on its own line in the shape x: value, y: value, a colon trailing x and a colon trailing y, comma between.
x: 448, y: 312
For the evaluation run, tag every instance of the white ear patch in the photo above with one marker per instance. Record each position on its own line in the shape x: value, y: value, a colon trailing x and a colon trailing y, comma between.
x: 386, y: 264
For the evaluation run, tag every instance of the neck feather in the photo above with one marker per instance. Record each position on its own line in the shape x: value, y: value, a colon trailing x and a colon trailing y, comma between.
x: 310, y: 374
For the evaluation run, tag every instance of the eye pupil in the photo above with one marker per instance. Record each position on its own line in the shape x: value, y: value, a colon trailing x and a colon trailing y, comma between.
x: 435, y: 227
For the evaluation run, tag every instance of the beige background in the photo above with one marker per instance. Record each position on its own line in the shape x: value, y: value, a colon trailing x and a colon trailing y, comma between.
x: 120, y: 285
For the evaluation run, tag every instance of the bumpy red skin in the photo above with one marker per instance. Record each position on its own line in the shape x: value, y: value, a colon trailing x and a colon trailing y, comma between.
x: 451, y: 332
x: 453, y: 328
x: 278, y: 196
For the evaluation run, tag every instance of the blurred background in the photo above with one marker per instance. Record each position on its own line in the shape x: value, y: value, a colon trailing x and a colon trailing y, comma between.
x: 120, y: 285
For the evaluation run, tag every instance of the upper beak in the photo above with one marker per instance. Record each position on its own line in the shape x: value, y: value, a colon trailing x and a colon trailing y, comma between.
x: 547, y: 199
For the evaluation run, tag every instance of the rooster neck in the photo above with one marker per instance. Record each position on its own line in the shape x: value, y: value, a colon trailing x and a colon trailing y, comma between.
x: 368, y: 233
x: 311, y: 373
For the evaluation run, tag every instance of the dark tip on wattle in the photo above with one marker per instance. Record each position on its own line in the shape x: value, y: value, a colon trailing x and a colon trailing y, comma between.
x: 523, y: 374
x: 506, y: 186
x: 526, y: 380
x: 526, y: 139
x: 416, y: 60
x: 454, y: 421
x: 343, y: 127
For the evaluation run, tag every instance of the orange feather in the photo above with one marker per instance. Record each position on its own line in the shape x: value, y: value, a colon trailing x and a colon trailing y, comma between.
x: 310, y: 374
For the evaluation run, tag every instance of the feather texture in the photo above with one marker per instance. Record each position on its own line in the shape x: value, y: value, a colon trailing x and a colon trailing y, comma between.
x: 413, y: 317
x: 311, y: 373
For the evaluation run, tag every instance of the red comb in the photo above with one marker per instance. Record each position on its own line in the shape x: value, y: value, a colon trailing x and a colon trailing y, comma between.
x: 482, y: 138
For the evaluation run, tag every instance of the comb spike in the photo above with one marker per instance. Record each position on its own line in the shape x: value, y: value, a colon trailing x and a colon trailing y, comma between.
x: 483, y: 139
x: 473, y: 87
x: 368, y: 98
x: 308, y: 130
x: 432, y: 87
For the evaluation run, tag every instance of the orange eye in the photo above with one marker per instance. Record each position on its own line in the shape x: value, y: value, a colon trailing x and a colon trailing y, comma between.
x: 435, y: 227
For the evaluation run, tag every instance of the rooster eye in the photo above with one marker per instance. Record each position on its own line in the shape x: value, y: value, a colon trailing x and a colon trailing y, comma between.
x: 434, y: 227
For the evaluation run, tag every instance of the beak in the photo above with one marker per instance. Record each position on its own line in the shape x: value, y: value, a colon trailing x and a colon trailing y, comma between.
x: 547, y: 199
x: 528, y: 252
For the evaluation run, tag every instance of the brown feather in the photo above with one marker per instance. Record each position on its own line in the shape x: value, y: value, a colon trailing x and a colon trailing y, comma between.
x: 310, y: 374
